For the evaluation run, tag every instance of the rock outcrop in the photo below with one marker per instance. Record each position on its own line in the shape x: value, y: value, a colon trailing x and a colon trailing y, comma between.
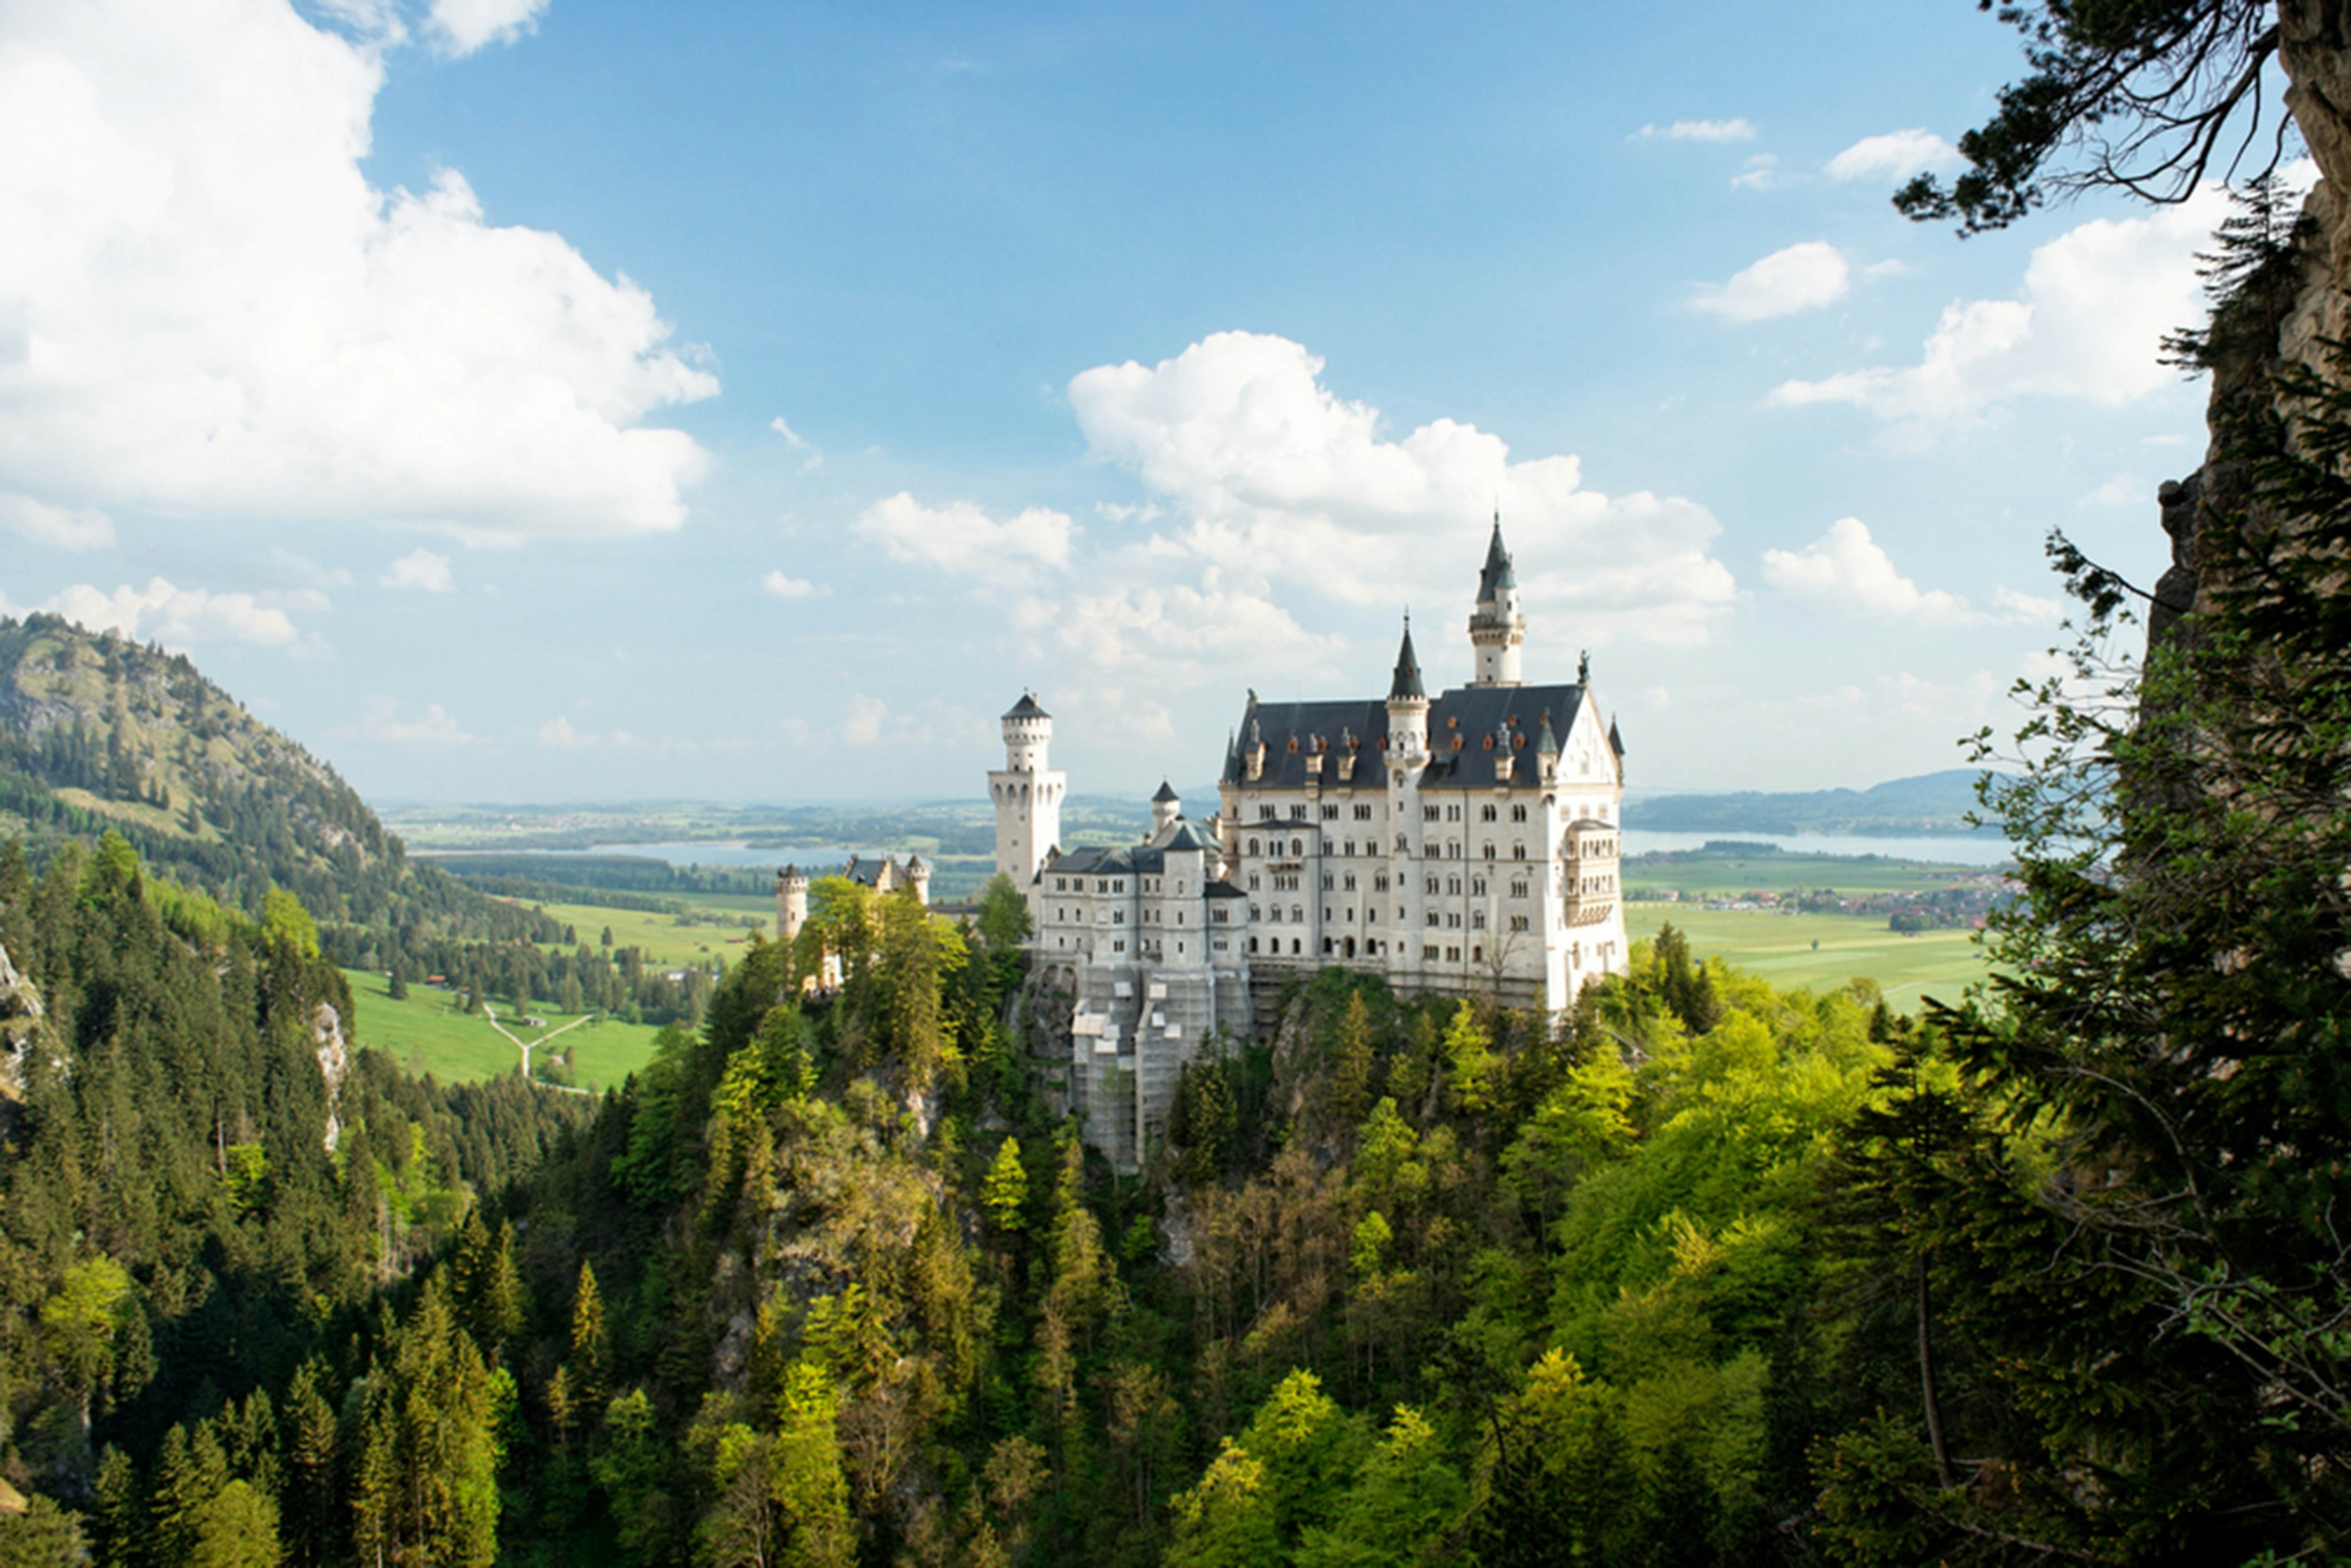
x: 334, y: 1066
x: 20, y: 1028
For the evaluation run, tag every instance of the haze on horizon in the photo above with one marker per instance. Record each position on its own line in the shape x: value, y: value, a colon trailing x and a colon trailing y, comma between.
x: 544, y: 399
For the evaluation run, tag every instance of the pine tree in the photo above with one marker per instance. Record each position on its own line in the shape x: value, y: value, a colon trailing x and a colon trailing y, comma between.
x: 591, y: 1344
x: 1004, y: 1192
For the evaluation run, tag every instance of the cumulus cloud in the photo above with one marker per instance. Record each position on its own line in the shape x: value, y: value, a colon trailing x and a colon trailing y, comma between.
x: 460, y: 27
x: 867, y: 721
x: 1268, y: 475
x: 1846, y: 570
x: 212, y: 311
x: 1894, y: 155
x: 2095, y: 303
x: 1698, y: 130
x: 2121, y: 490
x: 1178, y: 629
x: 431, y: 730
x: 1761, y: 173
x: 960, y: 537
x: 182, y: 616
x: 420, y: 569
x: 73, y: 528
x: 1800, y: 278
x: 783, y: 587
x: 558, y: 734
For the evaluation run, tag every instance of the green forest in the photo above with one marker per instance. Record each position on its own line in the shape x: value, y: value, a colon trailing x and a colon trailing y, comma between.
x: 1702, y: 1270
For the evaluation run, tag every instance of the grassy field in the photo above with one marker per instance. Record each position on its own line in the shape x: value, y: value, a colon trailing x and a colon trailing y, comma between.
x: 1698, y: 875
x: 1823, y: 951
x: 427, y: 1033
x: 665, y: 941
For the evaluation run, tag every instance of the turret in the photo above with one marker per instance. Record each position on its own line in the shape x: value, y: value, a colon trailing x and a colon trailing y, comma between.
x: 1165, y: 808
x: 1407, y: 705
x: 919, y: 875
x: 1497, y: 631
x: 791, y: 902
x: 1028, y: 795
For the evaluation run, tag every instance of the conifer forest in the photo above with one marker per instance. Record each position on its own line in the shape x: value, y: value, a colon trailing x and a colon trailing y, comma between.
x: 1697, y: 1271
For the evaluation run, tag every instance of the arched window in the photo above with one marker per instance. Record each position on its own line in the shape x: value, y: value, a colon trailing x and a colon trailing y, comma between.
x: 1253, y: 846
x: 1297, y: 846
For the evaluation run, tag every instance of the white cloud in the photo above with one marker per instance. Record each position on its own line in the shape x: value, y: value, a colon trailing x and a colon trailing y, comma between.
x: 2008, y: 604
x: 418, y: 569
x: 1844, y: 569
x: 2095, y: 303
x: 1698, y: 130
x: 2122, y: 490
x: 305, y: 572
x: 216, y: 315
x: 868, y: 722
x: 960, y: 537
x: 1847, y: 571
x: 1267, y: 475
x: 1800, y: 278
x: 558, y: 733
x: 460, y: 27
x: 1893, y: 155
x: 183, y: 616
x: 799, y: 443
x: 783, y: 587
x: 76, y: 528
x: 1761, y: 173
x: 1177, y: 629
x: 431, y: 730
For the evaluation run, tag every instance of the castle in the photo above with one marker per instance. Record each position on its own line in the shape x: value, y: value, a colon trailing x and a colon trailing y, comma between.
x: 1461, y: 845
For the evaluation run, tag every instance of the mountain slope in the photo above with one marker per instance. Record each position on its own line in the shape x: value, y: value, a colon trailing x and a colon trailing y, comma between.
x: 100, y: 732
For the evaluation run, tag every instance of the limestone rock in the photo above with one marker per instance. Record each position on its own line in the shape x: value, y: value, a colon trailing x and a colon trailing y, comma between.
x: 20, y: 1026
x: 334, y: 1066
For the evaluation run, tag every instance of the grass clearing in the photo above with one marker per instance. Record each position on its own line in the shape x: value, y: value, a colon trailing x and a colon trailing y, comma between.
x: 1698, y: 875
x: 664, y: 940
x: 1824, y: 951
x: 428, y: 1033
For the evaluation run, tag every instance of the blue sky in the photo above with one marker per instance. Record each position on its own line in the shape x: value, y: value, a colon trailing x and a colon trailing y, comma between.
x: 539, y: 400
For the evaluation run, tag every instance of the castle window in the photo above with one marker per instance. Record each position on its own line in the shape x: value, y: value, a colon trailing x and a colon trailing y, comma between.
x: 1452, y: 813
x: 1477, y: 922
x: 1326, y: 947
x: 1432, y: 884
x: 1518, y: 852
x: 1297, y: 846
x: 1517, y: 922
x: 1477, y: 954
x: 1380, y: 883
x: 1331, y: 813
x: 1350, y: 846
x: 1453, y: 921
x: 1518, y: 890
x: 1252, y: 944
x: 1252, y: 882
x: 1485, y: 813
x: 1179, y: 949
x: 1477, y: 886
x: 1118, y: 945
x: 1265, y: 813
x: 1517, y: 813
x: 1490, y: 852
x: 1428, y: 952
x: 1453, y: 884
x: 1350, y: 880
x: 1363, y: 813
x: 1298, y: 914
x: 1326, y: 881
x: 1298, y: 811
x: 1119, y: 886
x: 1217, y: 916
x: 1430, y: 813
x: 1453, y: 955
x: 1432, y: 920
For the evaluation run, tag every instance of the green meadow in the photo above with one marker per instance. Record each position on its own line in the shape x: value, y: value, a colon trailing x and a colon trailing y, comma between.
x: 1698, y: 875
x: 427, y: 1032
x: 664, y: 938
x: 1823, y: 951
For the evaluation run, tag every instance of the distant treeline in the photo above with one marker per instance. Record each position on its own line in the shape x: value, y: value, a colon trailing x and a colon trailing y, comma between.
x: 1930, y: 804
x: 535, y: 876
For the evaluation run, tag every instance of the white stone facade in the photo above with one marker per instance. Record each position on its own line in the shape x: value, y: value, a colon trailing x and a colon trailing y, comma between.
x: 1463, y: 845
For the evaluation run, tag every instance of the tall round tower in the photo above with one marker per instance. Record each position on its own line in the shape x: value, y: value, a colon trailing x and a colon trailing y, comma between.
x: 791, y: 902
x: 1497, y: 631
x: 1027, y: 793
x: 1407, y: 707
x: 1166, y: 806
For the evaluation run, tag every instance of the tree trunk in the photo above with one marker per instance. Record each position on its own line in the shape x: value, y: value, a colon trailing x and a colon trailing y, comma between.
x: 1927, y: 1382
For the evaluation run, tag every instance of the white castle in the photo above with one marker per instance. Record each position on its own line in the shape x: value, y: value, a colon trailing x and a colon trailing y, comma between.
x: 1464, y: 845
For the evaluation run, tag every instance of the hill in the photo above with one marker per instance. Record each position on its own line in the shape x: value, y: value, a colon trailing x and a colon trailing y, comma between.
x: 100, y: 732
x: 1928, y: 803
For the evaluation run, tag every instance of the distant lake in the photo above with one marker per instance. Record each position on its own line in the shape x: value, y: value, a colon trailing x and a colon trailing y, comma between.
x: 1953, y: 849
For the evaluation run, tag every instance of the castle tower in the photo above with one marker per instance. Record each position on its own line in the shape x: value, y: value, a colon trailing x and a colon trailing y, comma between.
x: 791, y: 902
x: 1496, y: 630
x: 1407, y: 707
x: 1028, y: 795
x: 1165, y: 808
x: 919, y: 875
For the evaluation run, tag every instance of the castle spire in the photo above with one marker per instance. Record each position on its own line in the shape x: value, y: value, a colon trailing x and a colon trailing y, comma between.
x: 1408, y: 668
x: 1497, y: 574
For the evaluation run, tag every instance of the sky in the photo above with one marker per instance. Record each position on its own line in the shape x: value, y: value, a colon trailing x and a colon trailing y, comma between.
x: 553, y: 400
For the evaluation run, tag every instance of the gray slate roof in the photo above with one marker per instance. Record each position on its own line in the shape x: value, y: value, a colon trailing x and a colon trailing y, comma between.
x: 1497, y: 574
x: 1469, y: 712
x: 1166, y: 792
x: 1025, y: 708
x: 1407, y: 674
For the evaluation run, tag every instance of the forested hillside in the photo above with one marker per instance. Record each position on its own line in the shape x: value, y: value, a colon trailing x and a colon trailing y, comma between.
x: 99, y: 733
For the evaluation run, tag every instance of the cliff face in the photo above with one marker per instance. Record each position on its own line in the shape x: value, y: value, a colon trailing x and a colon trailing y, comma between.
x: 2315, y: 51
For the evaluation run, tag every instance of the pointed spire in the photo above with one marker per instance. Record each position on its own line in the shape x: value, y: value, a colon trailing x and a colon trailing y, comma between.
x: 1407, y: 669
x: 1497, y: 574
x: 1546, y: 743
x: 1166, y: 792
x: 1615, y: 741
